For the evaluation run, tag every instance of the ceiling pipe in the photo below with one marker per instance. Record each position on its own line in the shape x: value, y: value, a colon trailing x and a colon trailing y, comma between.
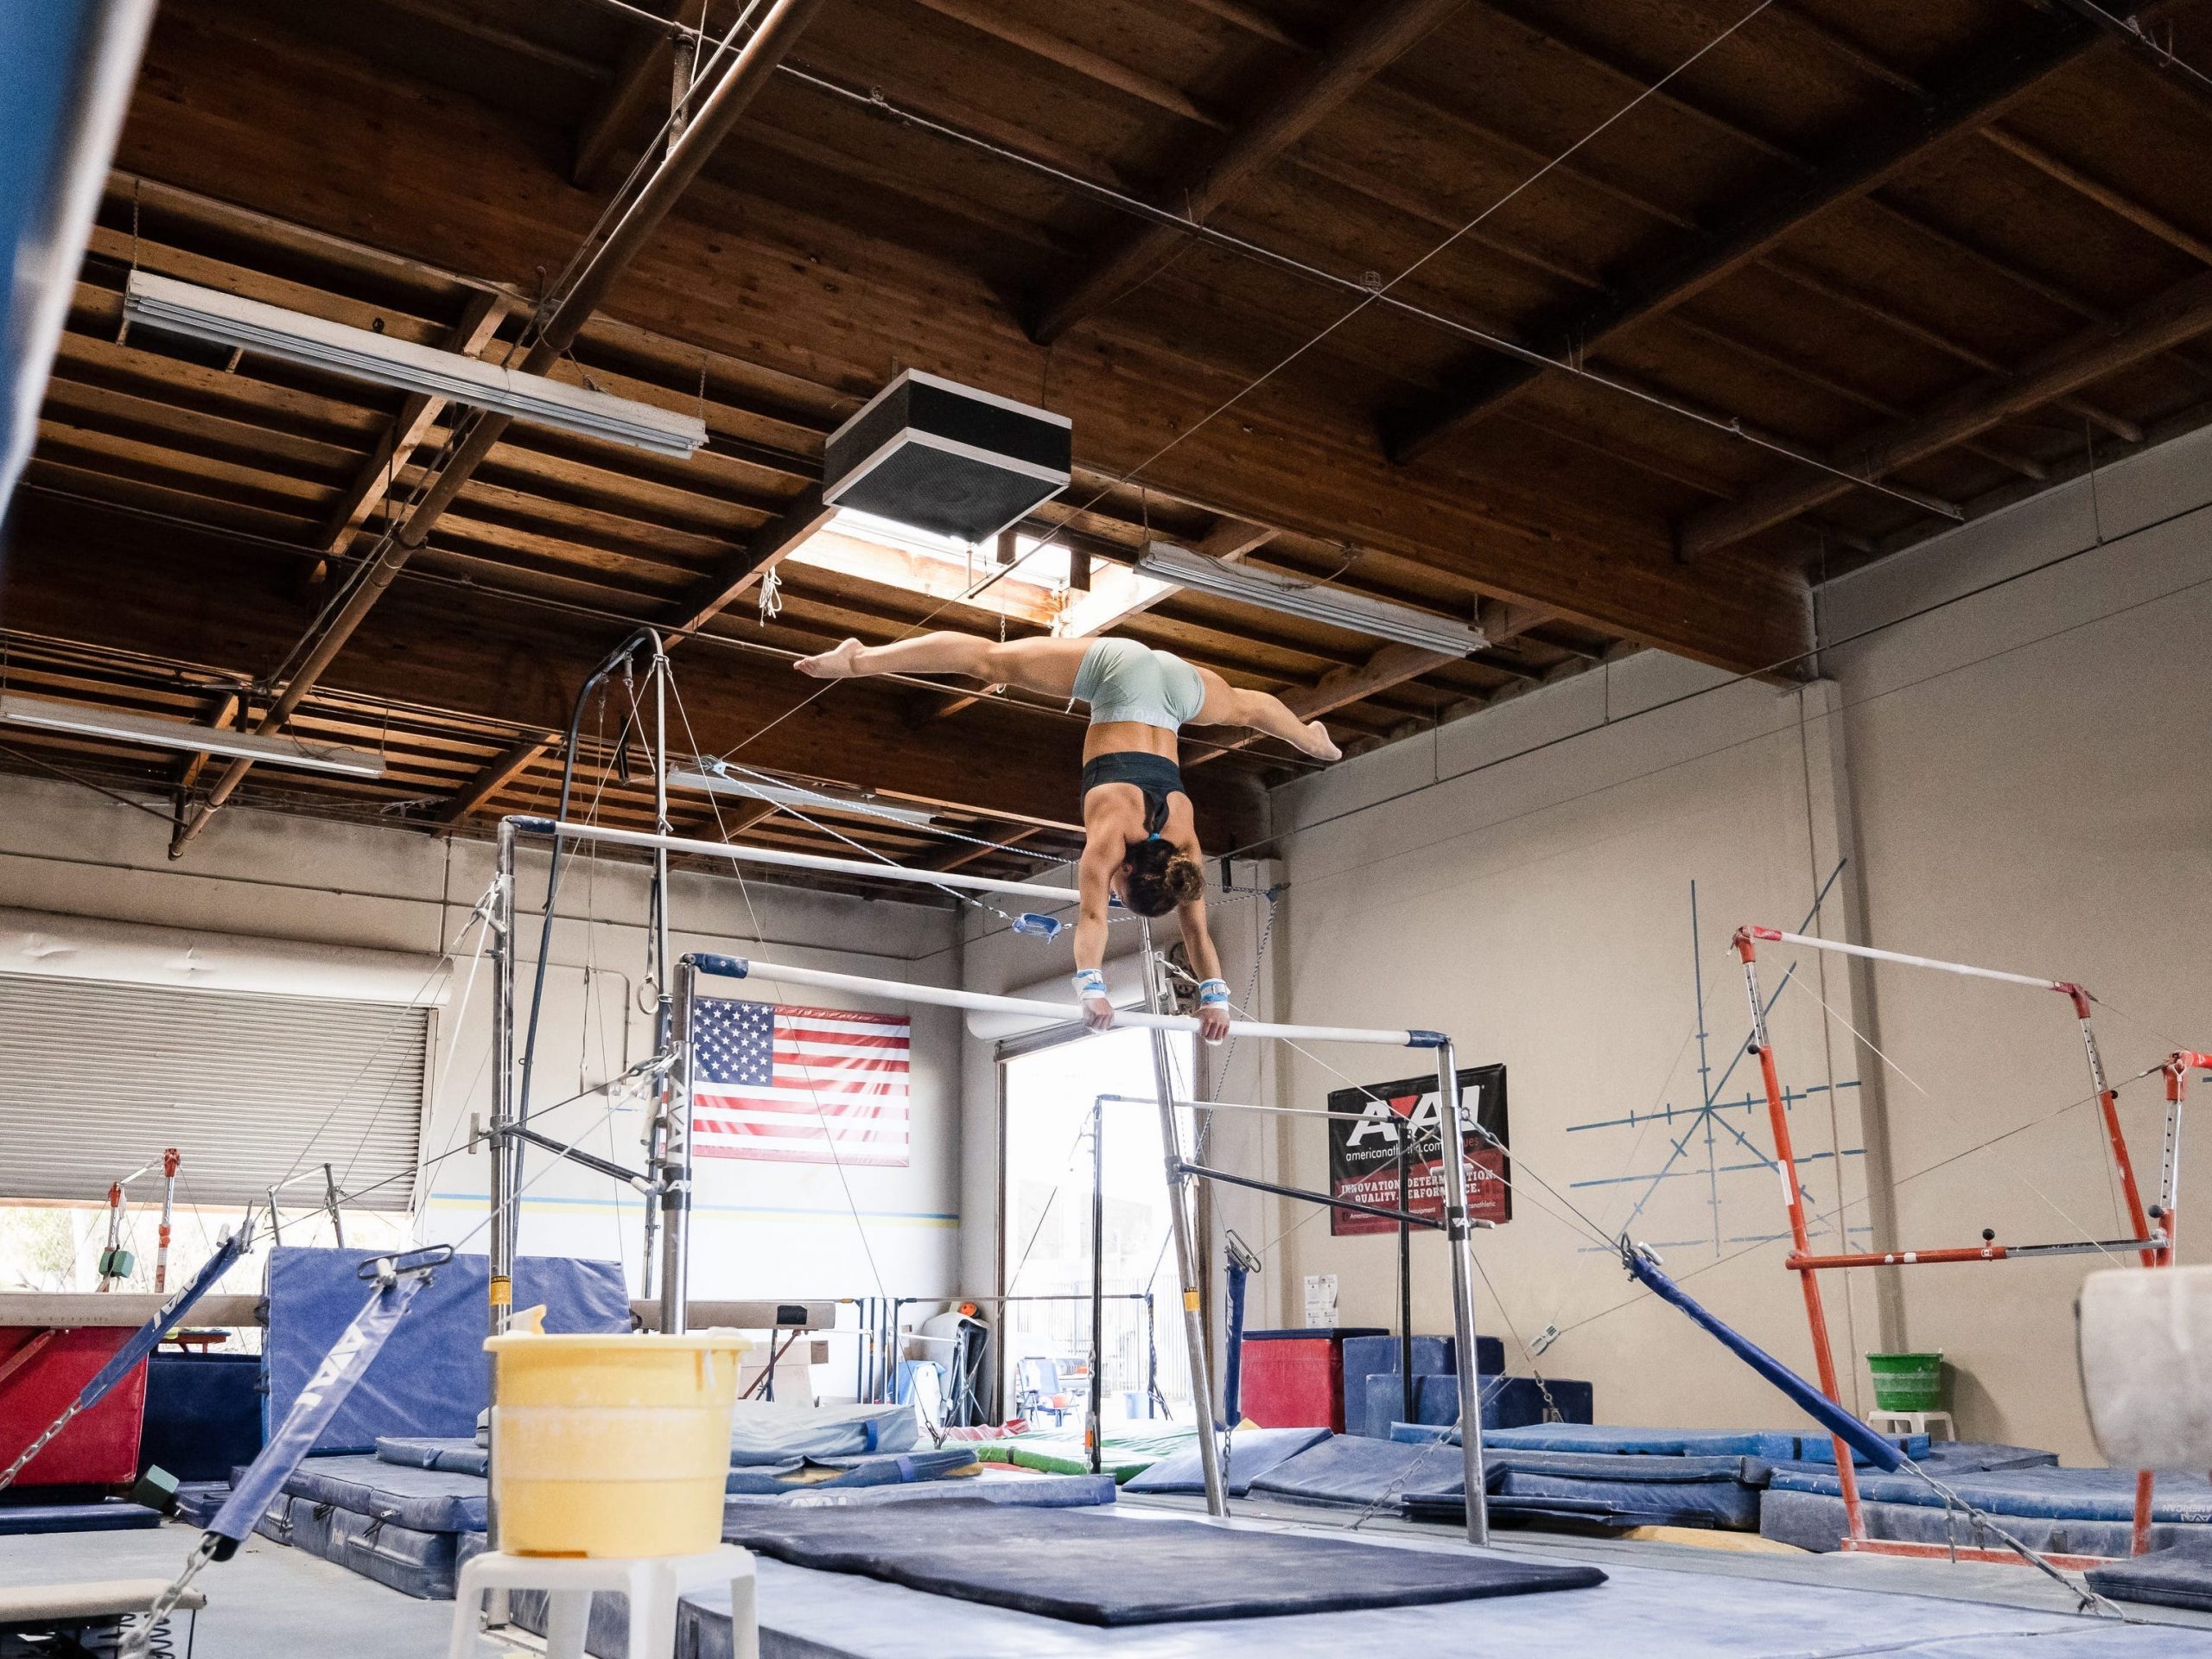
x: 756, y: 63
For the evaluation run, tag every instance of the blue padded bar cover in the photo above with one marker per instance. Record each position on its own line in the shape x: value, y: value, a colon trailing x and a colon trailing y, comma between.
x: 1822, y: 1410
x: 1233, y: 1365
x: 533, y: 826
x: 144, y: 1339
x: 722, y: 967
x: 314, y: 1408
x: 1418, y: 1038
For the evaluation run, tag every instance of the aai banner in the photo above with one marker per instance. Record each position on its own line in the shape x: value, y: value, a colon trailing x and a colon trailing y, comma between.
x: 1364, y: 1154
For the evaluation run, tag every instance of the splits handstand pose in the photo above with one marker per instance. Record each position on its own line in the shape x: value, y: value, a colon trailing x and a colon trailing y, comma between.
x: 1140, y: 839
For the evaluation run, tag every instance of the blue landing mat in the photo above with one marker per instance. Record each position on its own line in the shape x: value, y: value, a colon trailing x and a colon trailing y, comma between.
x: 1349, y: 1469
x: 433, y: 1376
x: 1773, y: 1446
x: 1252, y: 1452
x: 1815, y: 1521
x: 1095, y: 1569
x: 2046, y: 1493
x: 111, y: 1517
x: 1021, y: 1491
x: 415, y: 1563
x: 876, y: 1469
x: 424, y: 1500
x: 454, y: 1456
x: 2180, y: 1577
x: 1721, y: 1493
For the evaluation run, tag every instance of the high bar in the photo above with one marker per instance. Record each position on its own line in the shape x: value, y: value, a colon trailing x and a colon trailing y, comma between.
x: 1247, y: 1106
x: 1776, y: 935
x: 571, y: 832
x: 1066, y: 1012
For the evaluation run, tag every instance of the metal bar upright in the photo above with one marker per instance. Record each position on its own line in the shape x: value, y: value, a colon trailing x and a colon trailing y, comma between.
x: 1095, y: 1413
x: 1186, y: 1254
x: 1778, y: 1111
x: 1405, y: 1278
x: 502, y: 1265
x: 1459, y: 1237
x: 675, y: 1172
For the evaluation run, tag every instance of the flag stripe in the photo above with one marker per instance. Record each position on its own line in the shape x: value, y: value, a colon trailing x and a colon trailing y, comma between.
x: 800, y: 1085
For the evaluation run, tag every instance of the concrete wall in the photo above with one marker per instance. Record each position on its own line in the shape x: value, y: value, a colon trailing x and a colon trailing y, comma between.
x: 2015, y: 779
x: 764, y: 1229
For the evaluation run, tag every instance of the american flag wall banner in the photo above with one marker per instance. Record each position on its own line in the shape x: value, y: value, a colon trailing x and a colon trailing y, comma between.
x: 799, y: 1085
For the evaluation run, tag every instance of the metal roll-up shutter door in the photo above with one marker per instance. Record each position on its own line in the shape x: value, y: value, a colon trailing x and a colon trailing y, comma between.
x: 97, y: 1077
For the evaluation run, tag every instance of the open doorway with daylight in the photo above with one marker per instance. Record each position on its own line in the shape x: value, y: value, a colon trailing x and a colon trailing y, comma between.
x: 1046, y: 1272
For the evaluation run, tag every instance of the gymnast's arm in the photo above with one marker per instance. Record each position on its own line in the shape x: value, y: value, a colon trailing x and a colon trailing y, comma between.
x: 1101, y: 856
x: 1205, y: 961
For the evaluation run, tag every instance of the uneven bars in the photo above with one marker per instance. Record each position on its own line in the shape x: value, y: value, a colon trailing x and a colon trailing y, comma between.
x: 1775, y: 935
x: 945, y: 997
x: 572, y: 831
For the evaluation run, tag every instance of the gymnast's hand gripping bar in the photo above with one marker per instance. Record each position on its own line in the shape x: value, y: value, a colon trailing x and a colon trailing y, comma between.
x: 945, y: 997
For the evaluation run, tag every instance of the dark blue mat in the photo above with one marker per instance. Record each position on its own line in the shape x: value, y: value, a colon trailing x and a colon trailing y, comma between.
x: 1349, y: 1469
x: 415, y: 1452
x: 433, y: 1376
x: 1252, y: 1452
x: 1036, y: 1491
x: 2045, y: 1493
x: 2179, y: 1577
x: 1720, y: 1493
x: 415, y: 1563
x: 1815, y: 1521
x: 1095, y: 1569
x: 111, y: 1517
x: 203, y: 1414
x: 426, y: 1500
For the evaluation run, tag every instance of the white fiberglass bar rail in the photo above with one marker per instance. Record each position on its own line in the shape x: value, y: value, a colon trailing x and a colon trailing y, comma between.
x: 1246, y: 1106
x: 571, y: 831
x: 945, y: 997
x: 1777, y: 935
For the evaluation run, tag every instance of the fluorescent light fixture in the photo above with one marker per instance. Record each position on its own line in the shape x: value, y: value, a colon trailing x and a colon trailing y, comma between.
x: 83, y: 721
x: 723, y: 782
x: 1339, y: 607
x: 208, y: 313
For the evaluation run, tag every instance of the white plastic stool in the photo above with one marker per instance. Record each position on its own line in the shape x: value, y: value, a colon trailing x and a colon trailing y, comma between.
x: 652, y: 1583
x: 1912, y: 1422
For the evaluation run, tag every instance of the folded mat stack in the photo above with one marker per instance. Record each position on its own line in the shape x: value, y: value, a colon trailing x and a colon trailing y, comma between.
x: 2058, y: 1511
x: 1376, y: 1391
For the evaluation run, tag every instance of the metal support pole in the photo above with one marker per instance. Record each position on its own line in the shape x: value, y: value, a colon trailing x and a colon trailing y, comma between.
x: 502, y: 1266
x: 1405, y: 1278
x: 330, y: 1202
x: 1458, y: 1232
x: 169, y: 1161
x: 676, y: 1170
x: 1186, y: 1253
x: 1094, y: 1428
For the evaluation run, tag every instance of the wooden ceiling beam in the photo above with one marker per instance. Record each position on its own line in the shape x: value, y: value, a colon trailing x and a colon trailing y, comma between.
x: 2179, y: 314
x: 765, y: 549
x: 1253, y: 21
x: 1091, y: 66
x: 643, y: 85
x: 493, y: 776
x: 1299, y: 98
x: 2119, y: 202
x: 1992, y: 82
x: 418, y: 413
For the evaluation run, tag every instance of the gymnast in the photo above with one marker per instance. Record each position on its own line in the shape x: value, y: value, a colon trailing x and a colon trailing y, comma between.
x: 1140, y: 839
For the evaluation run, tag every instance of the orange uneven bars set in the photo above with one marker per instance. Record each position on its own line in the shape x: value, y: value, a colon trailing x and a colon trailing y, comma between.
x: 2154, y: 1244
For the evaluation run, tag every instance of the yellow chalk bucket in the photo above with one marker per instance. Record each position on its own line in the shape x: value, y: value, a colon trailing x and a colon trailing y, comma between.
x: 610, y: 1446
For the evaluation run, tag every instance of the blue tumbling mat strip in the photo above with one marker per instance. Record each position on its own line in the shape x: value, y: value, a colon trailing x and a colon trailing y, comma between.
x: 1252, y: 1452
x: 111, y: 1517
x: 426, y: 1500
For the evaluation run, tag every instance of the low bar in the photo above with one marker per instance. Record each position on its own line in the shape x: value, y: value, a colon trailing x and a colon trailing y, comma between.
x: 1775, y: 935
x: 1206, y: 1174
x: 1974, y: 1253
x: 945, y: 997
x: 732, y: 850
x: 1247, y: 1106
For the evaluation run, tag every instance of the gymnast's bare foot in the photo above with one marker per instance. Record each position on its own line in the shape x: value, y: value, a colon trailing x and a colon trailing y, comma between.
x: 838, y: 663
x: 1317, y: 743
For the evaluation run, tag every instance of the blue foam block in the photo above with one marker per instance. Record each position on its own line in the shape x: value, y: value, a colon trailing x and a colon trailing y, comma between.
x: 433, y: 1376
x: 426, y: 1500
x: 203, y: 1414
x: 455, y: 1457
x: 1508, y: 1401
x: 1377, y: 1355
x: 111, y: 1517
x: 1252, y: 1452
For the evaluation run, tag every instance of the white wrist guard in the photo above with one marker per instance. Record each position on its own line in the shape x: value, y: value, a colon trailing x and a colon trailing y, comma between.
x: 1213, y: 994
x: 1089, y: 982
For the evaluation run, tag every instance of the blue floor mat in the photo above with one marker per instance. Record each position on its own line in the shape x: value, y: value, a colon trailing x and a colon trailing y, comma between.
x: 1095, y: 1569
x: 1351, y: 1469
x: 111, y: 1517
x: 2179, y: 1577
x: 1252, y: 1452
x: 1815, y: 1521
x: 415, y: 1563
x: 424, y: 1500
x: 419, y: 1452
x: 2045, y: 1493
x: 1028, y: 1491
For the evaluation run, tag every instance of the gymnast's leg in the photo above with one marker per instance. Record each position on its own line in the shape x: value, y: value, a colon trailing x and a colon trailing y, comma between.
x: 1043, y: 665
x: 1225, y: 705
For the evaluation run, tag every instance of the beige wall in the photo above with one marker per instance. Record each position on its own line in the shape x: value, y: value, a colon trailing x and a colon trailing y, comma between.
x: 2023, y: 775
x: 763, y: 1229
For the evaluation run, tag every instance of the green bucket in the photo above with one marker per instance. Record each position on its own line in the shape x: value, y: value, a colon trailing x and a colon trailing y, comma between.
x: 1908, y: 1381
